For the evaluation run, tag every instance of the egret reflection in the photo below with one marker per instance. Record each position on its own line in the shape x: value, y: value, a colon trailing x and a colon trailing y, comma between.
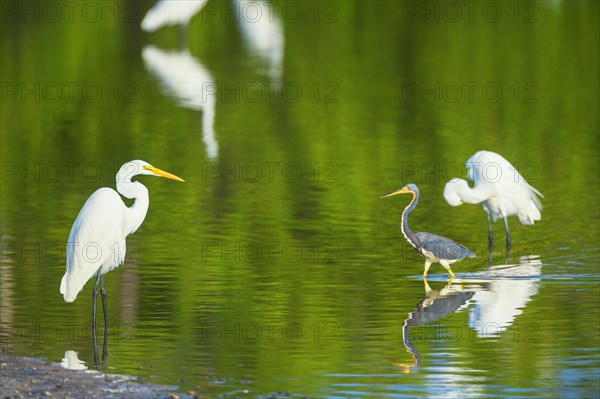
x: 436, y: 305
x: 184, y: 78
x: 71, y: 361
x: 263, y: 32
x: 501, y: 300
x: 171, y: 12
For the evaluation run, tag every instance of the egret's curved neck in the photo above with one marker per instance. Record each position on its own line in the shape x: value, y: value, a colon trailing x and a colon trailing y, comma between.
x: 475, y: 195
x: 136, y: 213
x: 408, y: 234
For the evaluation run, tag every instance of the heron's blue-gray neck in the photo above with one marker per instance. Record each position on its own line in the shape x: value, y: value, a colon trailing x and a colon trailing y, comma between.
x: 408, y: 234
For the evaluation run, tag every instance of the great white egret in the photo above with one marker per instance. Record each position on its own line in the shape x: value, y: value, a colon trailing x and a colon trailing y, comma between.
x: 171, y: 12
x: 499, y: 187
x: 433, y: 247
x: 96, y: 242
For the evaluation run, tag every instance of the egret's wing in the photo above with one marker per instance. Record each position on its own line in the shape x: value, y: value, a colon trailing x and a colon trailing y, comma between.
x: 443, y: 248
x: 96, y: 239
x: 507, y: 190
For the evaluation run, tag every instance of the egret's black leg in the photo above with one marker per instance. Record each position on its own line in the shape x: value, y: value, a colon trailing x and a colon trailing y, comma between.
x: 103, y: 293
x: 507, y: 236
x: 105, y: 349
x: 95, y: 296
x: 490, y: 232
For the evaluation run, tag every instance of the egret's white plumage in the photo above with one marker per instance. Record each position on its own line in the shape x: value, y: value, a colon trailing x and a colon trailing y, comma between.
x: 171, y: 12
x: 499, y: 187
x: 96, y: 243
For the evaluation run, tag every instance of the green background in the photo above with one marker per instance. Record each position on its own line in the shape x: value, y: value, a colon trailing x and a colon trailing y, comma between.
x: 275, y: 266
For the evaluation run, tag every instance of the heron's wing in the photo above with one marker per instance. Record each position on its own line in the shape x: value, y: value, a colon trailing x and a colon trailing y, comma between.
x: 443, y: 248
x: 438, y: 308
x: 96, y: 239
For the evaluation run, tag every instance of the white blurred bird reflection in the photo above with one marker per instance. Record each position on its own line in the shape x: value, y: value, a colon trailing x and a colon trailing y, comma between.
x: 171, y: 12
x: 190, y: 83
x: 263, y: 33
x: 71, y: 361
x: 502, y: 299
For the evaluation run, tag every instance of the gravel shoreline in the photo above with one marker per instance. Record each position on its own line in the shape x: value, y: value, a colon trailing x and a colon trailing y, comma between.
x: 24, y: 377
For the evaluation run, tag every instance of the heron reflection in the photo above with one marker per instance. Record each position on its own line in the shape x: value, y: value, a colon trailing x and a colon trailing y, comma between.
x: 263, y: 33
x: 436, y: 305
x: 504, y: 295
x: 184, y: 78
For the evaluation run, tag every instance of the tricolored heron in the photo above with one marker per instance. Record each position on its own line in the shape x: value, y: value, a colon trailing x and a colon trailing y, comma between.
x: 433, y: 247
x: 499, y: 187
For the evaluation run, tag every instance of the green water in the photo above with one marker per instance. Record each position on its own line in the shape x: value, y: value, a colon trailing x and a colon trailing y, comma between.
x: 276, y: 266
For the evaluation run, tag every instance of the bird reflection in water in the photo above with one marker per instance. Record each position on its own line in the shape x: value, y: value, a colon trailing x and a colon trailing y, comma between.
x: 184, y: 78
x: 172, y: 12
x: 503, y: 295
x: 263, y: 33
x: 495, y: 297
x: 71, y: 361
x: 436, y: 305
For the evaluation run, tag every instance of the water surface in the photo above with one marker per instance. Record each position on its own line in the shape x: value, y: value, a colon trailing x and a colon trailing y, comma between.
x: 276, y: 267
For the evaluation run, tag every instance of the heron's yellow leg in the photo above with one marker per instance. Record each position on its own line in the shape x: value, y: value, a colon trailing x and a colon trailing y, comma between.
x: 427, y: 264
x: 447, y: 267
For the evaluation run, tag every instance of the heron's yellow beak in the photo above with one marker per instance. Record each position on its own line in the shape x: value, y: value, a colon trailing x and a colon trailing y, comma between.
x: 401, y: 191
x: 159, y: 172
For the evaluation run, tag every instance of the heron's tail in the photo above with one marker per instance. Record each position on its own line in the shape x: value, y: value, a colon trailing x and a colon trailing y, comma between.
x: 69, y: 294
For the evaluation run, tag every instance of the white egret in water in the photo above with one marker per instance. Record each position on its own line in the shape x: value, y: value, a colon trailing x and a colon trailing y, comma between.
x: 171, y: 12
x: 499, y: 187
x: 96, y: 242
x: 433, y: 247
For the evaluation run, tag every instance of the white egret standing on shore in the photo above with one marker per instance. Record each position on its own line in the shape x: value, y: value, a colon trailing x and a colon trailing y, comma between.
x: 96, y: 242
